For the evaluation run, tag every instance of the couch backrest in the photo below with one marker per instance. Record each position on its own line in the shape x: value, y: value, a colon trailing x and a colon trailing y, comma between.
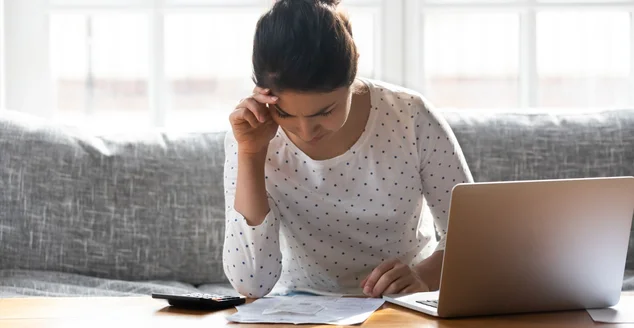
x: 503, y: 146
x: 525, y: 145
x: 138, y: 207
x: 151, y: 206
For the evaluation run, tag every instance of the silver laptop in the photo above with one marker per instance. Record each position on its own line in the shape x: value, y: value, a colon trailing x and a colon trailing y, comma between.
x: 532, y: 246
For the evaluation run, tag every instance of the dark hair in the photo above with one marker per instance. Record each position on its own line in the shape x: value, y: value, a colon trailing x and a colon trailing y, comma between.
x: 304, y: 45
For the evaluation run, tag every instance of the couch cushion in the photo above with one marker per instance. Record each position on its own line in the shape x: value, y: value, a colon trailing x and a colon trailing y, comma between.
x: 628, y: 280
x: 19, y: 283
x: 514, y: 145
x: 506, y: 145
x: 139, y: 207
x: 218, y: 288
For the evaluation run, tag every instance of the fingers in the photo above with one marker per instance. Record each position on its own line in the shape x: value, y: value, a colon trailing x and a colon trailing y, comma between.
x: 264, y: 98
x: 256, y: 105
x: 414, y: 289
x: 244, y: 114
x: 260, y: 112
x: 261, y: 90
x: 398, y: 285
x: 376, y: 274
x: 416, y: 286
x: 400, y: 275
x: 363, y: 282
x: 392, y: 277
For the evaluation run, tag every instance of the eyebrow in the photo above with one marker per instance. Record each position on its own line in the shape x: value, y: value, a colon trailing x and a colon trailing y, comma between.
x: 320, y: 112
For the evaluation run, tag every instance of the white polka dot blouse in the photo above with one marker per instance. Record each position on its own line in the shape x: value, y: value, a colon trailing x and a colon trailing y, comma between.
x: 333, y: 221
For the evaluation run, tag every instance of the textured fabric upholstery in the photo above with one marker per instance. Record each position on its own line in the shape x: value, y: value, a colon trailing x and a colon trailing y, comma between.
x: 139, y: 207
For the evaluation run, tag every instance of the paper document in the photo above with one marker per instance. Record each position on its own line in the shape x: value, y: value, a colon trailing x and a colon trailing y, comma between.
x: 307, y: 310
x: 620, y: 313
x: 294, y: 307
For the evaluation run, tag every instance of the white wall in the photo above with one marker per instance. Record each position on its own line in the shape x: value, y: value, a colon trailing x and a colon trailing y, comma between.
x: 28, y: 86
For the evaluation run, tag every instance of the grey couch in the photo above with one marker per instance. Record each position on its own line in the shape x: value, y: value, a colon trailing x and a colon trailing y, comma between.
x: 118, y: 215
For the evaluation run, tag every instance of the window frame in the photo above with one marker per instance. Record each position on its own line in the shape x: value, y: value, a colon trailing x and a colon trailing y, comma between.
x: 25, y: 76
x: 527, y: 11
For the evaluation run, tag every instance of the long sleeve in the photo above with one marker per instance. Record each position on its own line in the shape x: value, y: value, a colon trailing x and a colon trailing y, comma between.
x: 442, y: 165
x: 251, y: 256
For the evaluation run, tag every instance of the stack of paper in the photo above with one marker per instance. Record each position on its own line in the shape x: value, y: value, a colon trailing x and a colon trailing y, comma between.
x: 307, y: 310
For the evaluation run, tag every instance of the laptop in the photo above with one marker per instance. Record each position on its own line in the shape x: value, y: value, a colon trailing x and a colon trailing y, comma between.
x: 532, y: 246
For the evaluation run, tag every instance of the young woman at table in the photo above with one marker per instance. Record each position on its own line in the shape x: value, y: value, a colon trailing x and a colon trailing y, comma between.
x: 325, y: 172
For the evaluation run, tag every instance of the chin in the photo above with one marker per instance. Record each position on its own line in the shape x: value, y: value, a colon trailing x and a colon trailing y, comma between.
x: 317, y: 140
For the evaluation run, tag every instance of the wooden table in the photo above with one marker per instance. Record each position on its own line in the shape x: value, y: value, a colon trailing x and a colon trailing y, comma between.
x: 122, y: 312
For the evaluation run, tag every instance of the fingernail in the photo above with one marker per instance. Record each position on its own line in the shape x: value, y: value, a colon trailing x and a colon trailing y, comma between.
x: 367, y: 290
x: 266, y: 90
x: 275, y: 98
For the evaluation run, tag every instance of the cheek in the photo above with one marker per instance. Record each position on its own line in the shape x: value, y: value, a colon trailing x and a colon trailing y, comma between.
x: 284, y: 124
x: 337, y: 120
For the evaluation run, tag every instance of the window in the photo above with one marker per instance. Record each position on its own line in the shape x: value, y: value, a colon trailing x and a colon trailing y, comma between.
x: 526, y: 53
x: 583, y: 58
x: 207, y: 71
x: 175, y: 64
x: 186, y: 63
x: 99, y: 66
x: 472, y: 59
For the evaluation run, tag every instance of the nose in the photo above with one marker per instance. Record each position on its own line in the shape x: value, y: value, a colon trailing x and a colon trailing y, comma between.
x: 308, y: 130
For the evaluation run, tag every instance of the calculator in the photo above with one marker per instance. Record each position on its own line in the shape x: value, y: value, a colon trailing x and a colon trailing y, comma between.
x: 201, y: 301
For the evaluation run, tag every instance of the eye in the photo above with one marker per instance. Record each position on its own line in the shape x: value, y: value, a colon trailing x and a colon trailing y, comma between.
x: 281, y: 114
x: 326, y: 113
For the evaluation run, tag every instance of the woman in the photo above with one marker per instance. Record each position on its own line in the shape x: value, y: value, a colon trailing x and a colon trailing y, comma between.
x: 325, y: 173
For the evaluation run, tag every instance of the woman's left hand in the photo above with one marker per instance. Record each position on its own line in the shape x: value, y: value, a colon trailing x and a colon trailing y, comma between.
x: 393, y: 277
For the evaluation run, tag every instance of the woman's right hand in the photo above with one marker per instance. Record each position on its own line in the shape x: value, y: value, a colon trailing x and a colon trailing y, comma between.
x: 252, y: 124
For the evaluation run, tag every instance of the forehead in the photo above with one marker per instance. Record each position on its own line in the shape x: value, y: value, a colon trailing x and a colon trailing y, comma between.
x: 304, y: 103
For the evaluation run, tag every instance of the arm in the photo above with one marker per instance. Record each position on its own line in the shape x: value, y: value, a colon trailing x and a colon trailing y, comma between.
x: 250, y: 194
x: 442, y: 167
x: 251, y: 254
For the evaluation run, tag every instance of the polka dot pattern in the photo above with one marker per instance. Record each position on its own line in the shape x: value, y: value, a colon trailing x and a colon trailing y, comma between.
x: 333, y: 221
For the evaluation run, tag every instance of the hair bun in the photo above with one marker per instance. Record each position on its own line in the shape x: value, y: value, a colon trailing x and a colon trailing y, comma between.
x: 329, y: 2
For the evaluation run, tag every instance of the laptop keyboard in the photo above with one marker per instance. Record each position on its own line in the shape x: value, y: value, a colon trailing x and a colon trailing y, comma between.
x: 432, y: 303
